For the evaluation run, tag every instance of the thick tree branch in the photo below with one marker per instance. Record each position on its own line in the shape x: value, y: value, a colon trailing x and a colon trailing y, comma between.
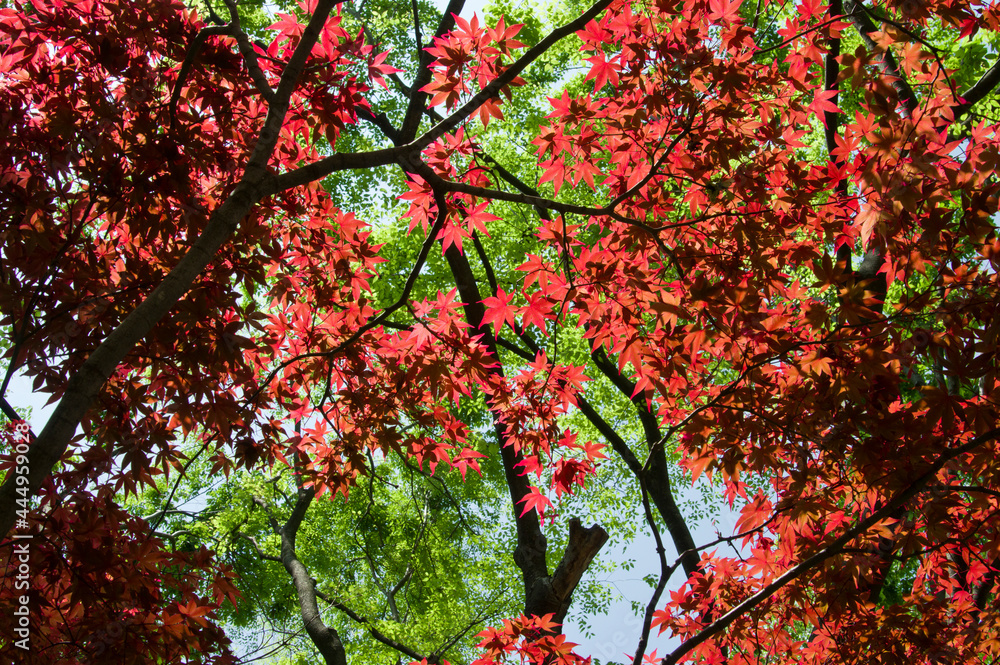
x: 544, y: 204
x: 192, y: 52
x: 11, y: 414
x: 834, y: 548
x: 583, y: 545
x: 325, y: 638
x: 407, y: 154
x: 341, y: 161
x: 530, y: 552
x: 494, y: 87
x: 887, y: 62
x: 529, y: 199
x: 543, y: 594
x: 248, y: 53
x: 654, y: 475
x: 986, y: 587
x: 84, y: 386
x: 380, y: 120
x: 418, y: 98
x: 831, y: 72
x: 979, y: 90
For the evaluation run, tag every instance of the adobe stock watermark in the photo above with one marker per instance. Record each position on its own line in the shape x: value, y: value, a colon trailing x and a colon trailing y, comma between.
x: 81, y: 318
x: 19, y: 439
x: 97, y: 643
x: 92, y: 137
x: 615, y: 648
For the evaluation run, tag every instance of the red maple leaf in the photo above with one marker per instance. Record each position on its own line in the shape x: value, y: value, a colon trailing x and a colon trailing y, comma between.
x: 499, y: 311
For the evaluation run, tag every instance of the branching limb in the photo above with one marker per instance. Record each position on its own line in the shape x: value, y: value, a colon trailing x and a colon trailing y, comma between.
x: 834, y: 548
x: 654, y: 474
x: 341, y: 161
x: 831, y: 72
x: 665, y: 573
x: 493, y: 88
x: 84, y: 386
x: 543, y: 593
x: 257, y: 548
x: 418, y: 98
x: 248, y: 53
x: 407, y: 154
x: 374, y: 632
x: 382, y: 317
x: 325, y: 638
x: 192, y: 53
x: 551, y: 204
x: 965, y: 488
x: 984, y: 86
x: 11, y: 414
x: 860, y: 18
x: 986, y: 587
x: 583, y: 545
x: 213, y: 16
x: 480, y: 617
x: 271, y: 519
x: 381, y: 121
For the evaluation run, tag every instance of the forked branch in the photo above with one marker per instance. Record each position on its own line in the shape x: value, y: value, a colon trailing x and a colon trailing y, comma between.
x: 834, y: 548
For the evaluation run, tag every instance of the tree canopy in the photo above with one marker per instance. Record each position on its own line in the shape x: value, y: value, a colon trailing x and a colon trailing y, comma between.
x: 369, y: 325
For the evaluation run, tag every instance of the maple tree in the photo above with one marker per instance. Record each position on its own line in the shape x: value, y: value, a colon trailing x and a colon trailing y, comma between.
x: 750, y: 242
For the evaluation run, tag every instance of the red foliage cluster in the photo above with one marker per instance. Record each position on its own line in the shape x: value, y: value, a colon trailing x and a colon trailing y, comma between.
x: 173, y: 268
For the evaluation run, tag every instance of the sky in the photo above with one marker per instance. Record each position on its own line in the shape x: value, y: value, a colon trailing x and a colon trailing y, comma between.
x: 21, y: 396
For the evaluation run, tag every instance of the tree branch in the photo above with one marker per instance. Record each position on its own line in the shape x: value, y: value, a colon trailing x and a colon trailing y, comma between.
x: 654, y: 475
x: 830, y: 550
x: 508, y: 76
x: 543, y: 594
x: 11, y: 414
x: 406, y: 154
x: 84, y: 386
x: 260, y: 551
x: 887, y: 62
x: 665, y: 573
x: 530, y: 551
x: 831, y: 72
x: 248, y: 53
x: 374, y: 632
x: 189, y: 56
x: 418, y: 98
x: 978, y: 91
x: 382, y: 317
x: 341, y: 161
x: 983, y: 593
x: 325, y: 638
